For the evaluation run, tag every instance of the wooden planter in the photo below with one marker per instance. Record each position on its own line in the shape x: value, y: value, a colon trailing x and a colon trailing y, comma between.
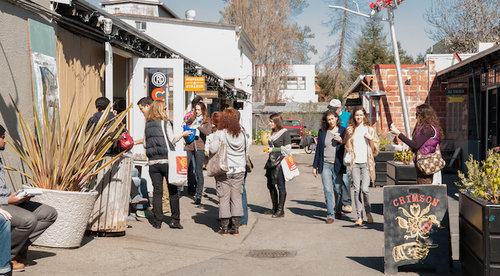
x: 381, y: 167
x: 110, y: 212
x: 479, y: 223
x: 400, y: 174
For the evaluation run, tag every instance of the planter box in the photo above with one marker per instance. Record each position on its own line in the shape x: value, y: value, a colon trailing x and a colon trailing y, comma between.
x: 381, y: 167
x: 479, y: 223
x: 400, y: 174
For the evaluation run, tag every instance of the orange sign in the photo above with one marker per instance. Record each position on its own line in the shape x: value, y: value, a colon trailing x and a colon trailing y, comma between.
x: 182, y: 165
x: 291, y: 163
x: 158, y: 94
x: 194, y: 83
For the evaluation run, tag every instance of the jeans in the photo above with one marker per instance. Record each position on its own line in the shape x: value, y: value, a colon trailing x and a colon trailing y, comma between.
x: 4, y: 245
x: 157, y: 172
x: 332, y: 185
x: 244, y: 202
x: 346, y: 189
x: 29, y: 221
x: 361, y: 179
x: 199, y: 158
x: 141, y: 186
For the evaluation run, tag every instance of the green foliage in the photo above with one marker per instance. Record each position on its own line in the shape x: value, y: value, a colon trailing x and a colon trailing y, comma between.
x: 314, y: 133
x: 405, y: 156
x: 383, y: 142
x: 483, y: 177
x: 61, y: 155
x: 404, y: 58
x: 371, y: 48
x: 257, y: 137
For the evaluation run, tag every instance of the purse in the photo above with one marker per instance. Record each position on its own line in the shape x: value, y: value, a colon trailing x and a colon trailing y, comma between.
x: 126, y: 141
x: 217, y: 164
x: 273, y: 160
x: 431, y: 163
x: 249, y: 164
x: 347, y: 158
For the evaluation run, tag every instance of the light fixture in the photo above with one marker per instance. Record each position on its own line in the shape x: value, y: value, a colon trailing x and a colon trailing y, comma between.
x: 108, y: 24
x: 199, y: 71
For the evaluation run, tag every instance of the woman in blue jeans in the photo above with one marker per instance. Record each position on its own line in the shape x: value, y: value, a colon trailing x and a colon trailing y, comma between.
x: 328, y: 162
x: 4, y: 242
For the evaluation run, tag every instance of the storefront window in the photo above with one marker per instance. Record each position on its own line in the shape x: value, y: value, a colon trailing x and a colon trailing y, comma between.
x: 160, y: 86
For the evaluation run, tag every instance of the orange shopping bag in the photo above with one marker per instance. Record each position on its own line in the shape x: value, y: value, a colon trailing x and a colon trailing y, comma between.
x: 290, y: 169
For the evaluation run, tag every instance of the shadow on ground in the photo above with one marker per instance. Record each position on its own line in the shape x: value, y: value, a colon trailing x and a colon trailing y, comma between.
x: 375, y: 263
x: 208, y: 214
x: 38, y: 254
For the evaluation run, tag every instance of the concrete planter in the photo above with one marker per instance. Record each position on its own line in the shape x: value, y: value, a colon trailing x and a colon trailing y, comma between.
x: 73, y: 212
x: 401, y: 174
x: 264, y: 138
x: 479, y: 223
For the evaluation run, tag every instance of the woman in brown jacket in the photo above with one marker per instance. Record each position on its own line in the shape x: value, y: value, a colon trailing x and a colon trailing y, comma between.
x: 200, y: 122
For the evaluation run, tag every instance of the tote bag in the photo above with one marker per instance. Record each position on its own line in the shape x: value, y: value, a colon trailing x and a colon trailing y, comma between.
x: 431, y: 163
x: 177, y: 162
x: 217, y: 164
x: 290, y: 169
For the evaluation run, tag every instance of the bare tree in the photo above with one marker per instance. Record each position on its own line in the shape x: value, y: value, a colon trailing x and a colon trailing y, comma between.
x: 464, y: 23
x: 276, y: 38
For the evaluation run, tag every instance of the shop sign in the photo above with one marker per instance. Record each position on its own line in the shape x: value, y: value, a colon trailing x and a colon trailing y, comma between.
x: 194, y: 83
x: 455, y: 91
x: 208, y: 94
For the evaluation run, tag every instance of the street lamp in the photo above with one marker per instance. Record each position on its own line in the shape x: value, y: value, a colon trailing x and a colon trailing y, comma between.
x: 374, y: 96
x: 376, y: 7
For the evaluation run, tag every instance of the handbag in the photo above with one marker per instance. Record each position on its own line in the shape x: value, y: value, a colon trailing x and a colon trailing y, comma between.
x: 273, y: 160
x: 347, y: 158
x: 217, y: 164
x: 126, y: 142
x: 177, y: 162
x: 249, y: 164
x: 431, y: 163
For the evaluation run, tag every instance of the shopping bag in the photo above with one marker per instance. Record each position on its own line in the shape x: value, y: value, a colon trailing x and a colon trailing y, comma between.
x: 177, y: 168
x: 290, y: 169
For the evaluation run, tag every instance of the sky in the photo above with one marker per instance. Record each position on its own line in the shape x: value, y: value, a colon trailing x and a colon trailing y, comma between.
x: 410, y: 25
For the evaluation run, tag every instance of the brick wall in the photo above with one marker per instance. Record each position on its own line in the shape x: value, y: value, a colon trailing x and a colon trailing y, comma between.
x: 417, y: 84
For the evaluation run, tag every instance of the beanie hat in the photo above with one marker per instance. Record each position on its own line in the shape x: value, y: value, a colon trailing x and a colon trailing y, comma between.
x: 2, y: 130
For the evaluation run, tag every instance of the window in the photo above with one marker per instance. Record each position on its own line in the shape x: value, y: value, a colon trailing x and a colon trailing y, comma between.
x: 140, y: 25
x: 291, y: 123
x: 293, y: 83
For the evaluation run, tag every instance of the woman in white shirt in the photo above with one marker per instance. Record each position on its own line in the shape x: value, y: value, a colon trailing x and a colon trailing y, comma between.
x: 362, y: 144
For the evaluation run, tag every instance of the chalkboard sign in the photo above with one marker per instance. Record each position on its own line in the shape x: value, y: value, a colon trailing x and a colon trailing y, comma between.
x: 416, y: 227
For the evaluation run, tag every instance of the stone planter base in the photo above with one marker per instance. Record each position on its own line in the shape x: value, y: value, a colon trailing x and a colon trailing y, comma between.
x: 400, y: 174
x: 73, y: 212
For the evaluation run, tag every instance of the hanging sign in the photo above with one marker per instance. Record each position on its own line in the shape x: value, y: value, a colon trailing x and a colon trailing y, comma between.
x: 194, y: 83
x: 208, y: 94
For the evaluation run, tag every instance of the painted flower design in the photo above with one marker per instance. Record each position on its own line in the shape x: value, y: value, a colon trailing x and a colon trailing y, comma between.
x: 417, y: 224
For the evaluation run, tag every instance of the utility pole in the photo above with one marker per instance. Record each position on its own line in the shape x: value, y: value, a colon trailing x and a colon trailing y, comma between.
x: 376, y: 7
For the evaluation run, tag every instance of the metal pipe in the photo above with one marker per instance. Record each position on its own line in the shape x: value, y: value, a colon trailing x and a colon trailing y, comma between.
x: 398, y: 71
x: 358, y: 13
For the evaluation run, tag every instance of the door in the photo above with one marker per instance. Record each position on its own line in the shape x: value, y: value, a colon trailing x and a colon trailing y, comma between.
x: 160, y: 79
x: 491, y: 118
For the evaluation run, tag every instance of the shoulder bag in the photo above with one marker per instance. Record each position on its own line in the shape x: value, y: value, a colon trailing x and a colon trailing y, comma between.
x: 431, y: 163
x: 249, y: 164
x: 217, y: 164
x: 177, y: 161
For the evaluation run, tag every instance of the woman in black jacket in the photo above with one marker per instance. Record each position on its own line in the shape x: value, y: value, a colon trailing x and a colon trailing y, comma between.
x: 159, y: 140
x: 280, y: 146
x: 328, y: 162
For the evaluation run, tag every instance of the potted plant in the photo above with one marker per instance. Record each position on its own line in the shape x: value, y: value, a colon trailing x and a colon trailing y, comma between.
x: 479, y: 215
x: 401, y: 171
x: 381, y: 159
x: 264, y: 137
x: 61, y: 156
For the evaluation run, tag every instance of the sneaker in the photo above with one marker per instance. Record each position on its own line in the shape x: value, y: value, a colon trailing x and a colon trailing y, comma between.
x: 17, y: 266
x: 369, y: 218
x: 138, y: 200
x: 143, y: 214
x: 347, y: 209
x: 359, y: 222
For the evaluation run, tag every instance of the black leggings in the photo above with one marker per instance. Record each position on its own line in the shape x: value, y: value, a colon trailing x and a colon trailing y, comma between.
x: 280, y: 182
x: 157, y: 172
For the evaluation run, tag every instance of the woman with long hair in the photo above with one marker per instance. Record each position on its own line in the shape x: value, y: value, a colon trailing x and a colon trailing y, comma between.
x: 427, y: 135
x: 362, y: 145
x: 159, y: 139
x: 200, y: 122
x: 280, y: 146
x: 229, y: 186
x: 328, y: 162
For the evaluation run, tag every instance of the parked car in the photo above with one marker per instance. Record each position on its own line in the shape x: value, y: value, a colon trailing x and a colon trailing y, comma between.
x: 295, y: 128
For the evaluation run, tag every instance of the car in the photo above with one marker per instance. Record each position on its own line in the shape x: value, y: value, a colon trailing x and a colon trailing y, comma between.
x: 295, y: 128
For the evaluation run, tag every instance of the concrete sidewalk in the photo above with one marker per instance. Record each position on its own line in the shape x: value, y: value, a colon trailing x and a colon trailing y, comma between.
x: 336, y: 249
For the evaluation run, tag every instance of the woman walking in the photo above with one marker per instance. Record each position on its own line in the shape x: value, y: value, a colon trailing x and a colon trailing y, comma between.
x: 362, y: 145
x: 159, y: 139
x: 427, y: 135
x: 328, y: 162
x: 196, y: 149
x: 229, y: 186
x: 280, y: 146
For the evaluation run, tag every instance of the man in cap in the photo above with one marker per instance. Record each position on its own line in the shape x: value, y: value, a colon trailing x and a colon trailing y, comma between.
x: 29, y: 219
x: 344, y: 116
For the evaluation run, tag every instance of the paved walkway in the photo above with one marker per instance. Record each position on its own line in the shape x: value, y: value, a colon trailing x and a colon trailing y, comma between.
x: 336, y: 249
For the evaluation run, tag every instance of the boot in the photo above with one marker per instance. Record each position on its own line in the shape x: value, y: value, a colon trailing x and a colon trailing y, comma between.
x: 274, y: 199
x: 236, y: 225
x: 224, y: 225
x: 280, y: 212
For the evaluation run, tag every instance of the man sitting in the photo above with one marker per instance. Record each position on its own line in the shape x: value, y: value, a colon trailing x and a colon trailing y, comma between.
x: 29, y: 219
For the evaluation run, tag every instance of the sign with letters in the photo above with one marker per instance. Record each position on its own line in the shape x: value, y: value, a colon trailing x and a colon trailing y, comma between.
x: 194, y: 83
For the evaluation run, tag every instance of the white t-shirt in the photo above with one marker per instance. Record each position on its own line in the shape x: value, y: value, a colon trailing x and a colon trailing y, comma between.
x: 360, y: 145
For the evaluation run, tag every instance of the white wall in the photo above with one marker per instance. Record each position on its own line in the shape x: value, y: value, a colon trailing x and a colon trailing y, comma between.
x: 218, y: 48
x: 443, y: 61
x: 302, y: 96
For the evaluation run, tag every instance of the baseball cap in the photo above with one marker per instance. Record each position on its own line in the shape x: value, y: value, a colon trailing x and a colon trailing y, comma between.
x: 335, y: 103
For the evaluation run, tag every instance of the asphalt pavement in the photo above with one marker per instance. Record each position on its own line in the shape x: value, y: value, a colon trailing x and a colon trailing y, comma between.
x: 309, y: 246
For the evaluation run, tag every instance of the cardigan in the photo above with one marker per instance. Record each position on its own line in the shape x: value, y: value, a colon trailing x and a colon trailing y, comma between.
x: 319, y: 156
